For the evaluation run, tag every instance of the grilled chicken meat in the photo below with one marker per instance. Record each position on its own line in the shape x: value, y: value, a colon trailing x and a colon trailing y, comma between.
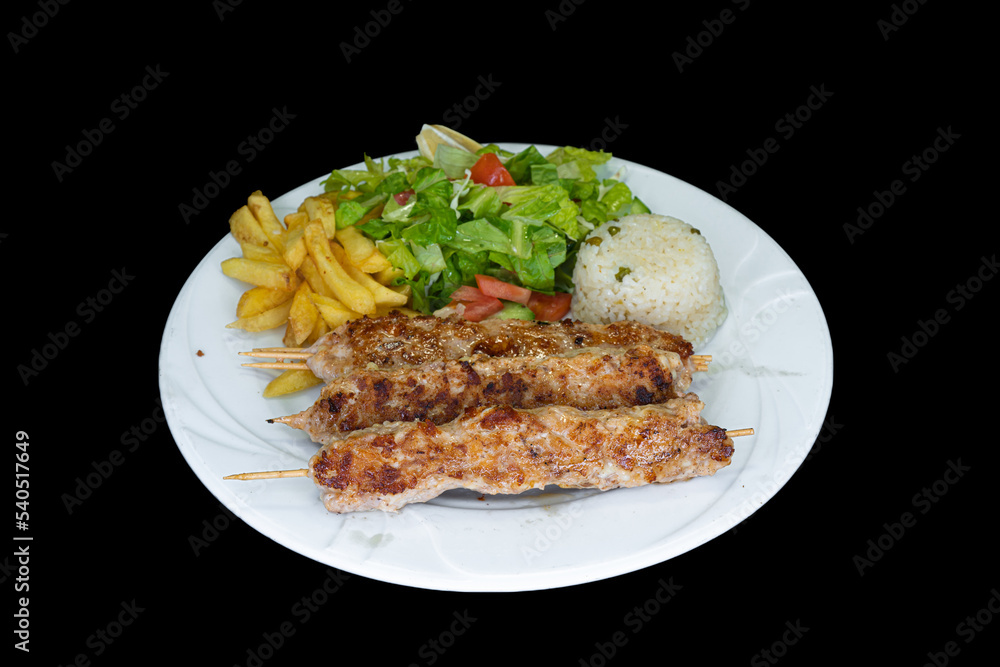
x: 439, y: 391
x: 503, y: 450
x: 396, y: 340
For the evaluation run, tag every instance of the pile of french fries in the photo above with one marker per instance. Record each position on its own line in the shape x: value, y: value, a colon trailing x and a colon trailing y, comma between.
x: 307, y: 276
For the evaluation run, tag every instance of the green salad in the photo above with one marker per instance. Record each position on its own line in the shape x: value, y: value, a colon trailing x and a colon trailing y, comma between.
x: 514, y: 217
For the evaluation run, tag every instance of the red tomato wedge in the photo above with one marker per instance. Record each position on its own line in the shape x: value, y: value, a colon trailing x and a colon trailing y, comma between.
x: 549, y: 308
x: 483, y: 301
x: 488, y: 170
x: 403, y: 197
x: 477, y: 305
x: 495, y: 287
x: 467, y: 293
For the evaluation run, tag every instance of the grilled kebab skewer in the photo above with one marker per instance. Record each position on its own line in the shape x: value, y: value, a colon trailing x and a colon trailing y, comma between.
x: 439, y: 391
x: 503, y: 450
x: 397, y: 340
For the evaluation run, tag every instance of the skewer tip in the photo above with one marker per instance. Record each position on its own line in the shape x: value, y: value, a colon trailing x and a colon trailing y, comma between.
x: 269, y: 474
x: 279, y: 365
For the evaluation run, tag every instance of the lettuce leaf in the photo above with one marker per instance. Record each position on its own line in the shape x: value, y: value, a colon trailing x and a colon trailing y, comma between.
x: 519, y: 166
x: 452, y: 229
x: 577, y: 163
x: 479, y: 202
x: 393, y: 183
x: 351, y: 211
x: 431, y: 258
x: 453, y: 161
x: 399, y: 255
x: 365, y: 180
x: 617, y: 200
x: 549, y: 203
x: 480, y: 235
x: 437, y: 225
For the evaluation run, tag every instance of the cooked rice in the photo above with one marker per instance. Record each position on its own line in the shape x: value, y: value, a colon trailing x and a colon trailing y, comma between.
x: 654, y: 269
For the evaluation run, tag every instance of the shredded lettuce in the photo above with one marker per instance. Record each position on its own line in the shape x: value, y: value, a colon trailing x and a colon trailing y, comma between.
x: 480, y: 201
x: 577, y: 163
x: 452, y: 229
x: 519, y: 165
x: 454, y: 161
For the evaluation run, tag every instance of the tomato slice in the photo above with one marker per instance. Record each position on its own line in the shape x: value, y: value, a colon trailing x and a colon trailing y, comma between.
x: 477, y: 305
x: 488, y: 170
x: 500, y: 289
x: 550, y: 308
x: 467, y: 293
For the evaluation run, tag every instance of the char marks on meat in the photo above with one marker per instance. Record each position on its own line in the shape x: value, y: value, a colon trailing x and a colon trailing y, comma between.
x: 589, y: 379
x: 397, y: 340
x: 503, y: 450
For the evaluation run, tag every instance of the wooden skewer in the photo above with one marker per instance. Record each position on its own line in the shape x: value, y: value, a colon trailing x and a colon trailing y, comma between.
x: 272, y: 474
x: 277, y: 353
x: 304, y: 472
x: 280, y: 365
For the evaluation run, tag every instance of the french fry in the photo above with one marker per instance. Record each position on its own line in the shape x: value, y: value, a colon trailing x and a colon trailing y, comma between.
x: 344, y: 195
x: 375, y: 263
x: 323, y: 209
x: 260, y: 206
x: 245, y: 228
x: 320, y: 330
x: 357, y: 246
x: 301, y: 318
x: 405, y: 290
x: 388, y: 274
x: 311, y: 275
x: 295, y: 248
x: 347, y: 290
x: 296, y: 220
x: 375, y: 212
x: 334, y: 313
x: 289, y: 382
x: 383, y: 295
x: 263, y: 253
x: 261, y: 273
x: 307, y: 274
x: 269, y: 319
x: 258, y: 299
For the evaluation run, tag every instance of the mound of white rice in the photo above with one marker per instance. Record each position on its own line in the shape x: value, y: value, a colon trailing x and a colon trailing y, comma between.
x: 652, y: 269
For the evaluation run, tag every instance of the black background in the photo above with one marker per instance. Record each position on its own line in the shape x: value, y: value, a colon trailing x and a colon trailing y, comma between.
x: 562, y: 72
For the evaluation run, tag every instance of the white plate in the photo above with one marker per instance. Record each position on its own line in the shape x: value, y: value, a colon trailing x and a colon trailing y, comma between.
x: 772, y: 369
